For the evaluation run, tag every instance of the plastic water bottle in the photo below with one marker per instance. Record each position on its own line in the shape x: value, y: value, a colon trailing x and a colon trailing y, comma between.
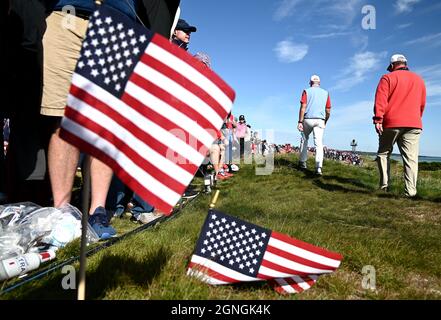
x: 213, y: 179
x: 22, y: 264
x: 207, y: 183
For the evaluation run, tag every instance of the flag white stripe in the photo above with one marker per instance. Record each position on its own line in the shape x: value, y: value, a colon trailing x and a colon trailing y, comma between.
x: 301, y: 283
x: 290, y: 264
x: 286, y: 286
x: 221, y: 269
x: 138, y: 174
x: 169, y: 112
x: 180, y: 92
x: 191, y: 73
x: 142, y: 149
x: 287, y: 247
x: 276, y: 274
x: 204, y: 277
x: 153, y: 129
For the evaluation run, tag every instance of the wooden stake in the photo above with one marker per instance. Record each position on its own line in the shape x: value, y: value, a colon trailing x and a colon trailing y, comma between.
x: 214, y: 200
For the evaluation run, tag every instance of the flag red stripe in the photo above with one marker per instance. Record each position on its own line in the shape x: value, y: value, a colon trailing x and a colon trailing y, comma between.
x: 165, y: 123
x: 144, y: 136
x: 184, y: 56
x: 294, y: 284
x: 276, y: 286
x: 172, y: 101
x: 126, y: 178
x: 297, y: 259
x: 279, y: 268
x: 211, y: 273
x: 183, y: 81
x: 306, y: 246
x: 308, y: 280
x: 160, y: 176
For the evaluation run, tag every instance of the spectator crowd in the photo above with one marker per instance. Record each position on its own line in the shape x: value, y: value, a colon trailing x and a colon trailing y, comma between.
x: 348, y: 157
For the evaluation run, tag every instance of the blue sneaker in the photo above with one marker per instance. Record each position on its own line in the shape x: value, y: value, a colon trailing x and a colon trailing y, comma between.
x: 99, y: 221
x: 119, y: 211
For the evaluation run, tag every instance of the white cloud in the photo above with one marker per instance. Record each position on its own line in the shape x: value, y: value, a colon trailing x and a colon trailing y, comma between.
x: 360, y: 41
x: 433, y: 89
x: 285, y: 9
x: 328, y: 19
x: 431, y: 39
x: 402, y: 6
x: 288, y: 51
x: 346, y: 10
x: 341, y: 12
x: 432, y: 77
x: 404, y: 25
x: 329, y: 35
x: 359, y: 66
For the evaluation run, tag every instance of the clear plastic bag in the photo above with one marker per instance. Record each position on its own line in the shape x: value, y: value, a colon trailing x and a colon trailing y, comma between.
x: 12, y: 214
x: 66, y: 226
x: 26, y: 226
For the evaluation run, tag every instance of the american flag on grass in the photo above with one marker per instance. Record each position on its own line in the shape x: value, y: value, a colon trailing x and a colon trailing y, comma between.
x: 230, y: 250
x: 143, y: 106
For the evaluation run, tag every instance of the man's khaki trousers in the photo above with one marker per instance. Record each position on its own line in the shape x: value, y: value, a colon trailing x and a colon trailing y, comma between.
x: 407, y: 140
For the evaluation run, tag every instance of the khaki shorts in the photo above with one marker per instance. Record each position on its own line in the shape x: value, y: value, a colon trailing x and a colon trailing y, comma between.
x: 61, y: 46
x: 217, y: 153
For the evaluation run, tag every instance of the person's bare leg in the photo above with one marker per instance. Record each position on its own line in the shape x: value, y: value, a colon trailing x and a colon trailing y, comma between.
x: 215, y: 156
x: 62, y: 163
x: 100, y: 178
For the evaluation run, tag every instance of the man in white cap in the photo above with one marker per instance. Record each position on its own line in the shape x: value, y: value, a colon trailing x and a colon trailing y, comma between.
x: 399, y: 105
x: 315, y: 110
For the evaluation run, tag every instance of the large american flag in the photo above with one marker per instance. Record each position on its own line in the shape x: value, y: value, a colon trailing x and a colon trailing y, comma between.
x: 231, y: 250
x: 143, y: 106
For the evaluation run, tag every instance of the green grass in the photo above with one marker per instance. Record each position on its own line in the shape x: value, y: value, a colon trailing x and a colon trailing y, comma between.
x: 342, y: 211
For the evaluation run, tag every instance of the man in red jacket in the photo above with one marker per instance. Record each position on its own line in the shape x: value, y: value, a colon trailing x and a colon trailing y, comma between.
x: 399, y: 105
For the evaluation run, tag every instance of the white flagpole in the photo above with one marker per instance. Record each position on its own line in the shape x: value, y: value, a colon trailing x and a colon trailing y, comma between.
x: 81, y: 293
x: 84, y: 222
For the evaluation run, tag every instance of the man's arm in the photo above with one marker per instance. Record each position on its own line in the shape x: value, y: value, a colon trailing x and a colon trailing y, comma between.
x: 381, y: 103
x: 328, y: 109
x: 302, y: 110
x: 301, y: 116
x: 423, y: 99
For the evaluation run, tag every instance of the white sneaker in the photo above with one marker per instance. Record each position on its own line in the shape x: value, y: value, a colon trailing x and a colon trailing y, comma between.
x: 318, y: 171
x: 147, y: 217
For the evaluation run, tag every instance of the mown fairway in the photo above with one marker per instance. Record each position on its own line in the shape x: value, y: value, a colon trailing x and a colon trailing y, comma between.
x: 341, y: 211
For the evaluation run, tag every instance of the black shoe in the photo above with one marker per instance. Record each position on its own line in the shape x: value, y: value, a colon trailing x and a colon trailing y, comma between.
x: 190, y: 193
x: 190, y: 188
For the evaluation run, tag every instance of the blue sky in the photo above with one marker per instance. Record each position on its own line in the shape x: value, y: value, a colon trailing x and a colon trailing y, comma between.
x: 267, y: 50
